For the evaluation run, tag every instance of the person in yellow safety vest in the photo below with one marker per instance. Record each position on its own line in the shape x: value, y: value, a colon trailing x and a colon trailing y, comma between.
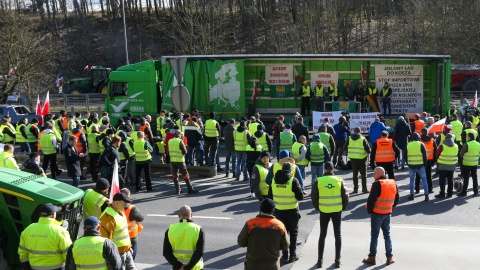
x: 6, y: 158
x: 372, y: 90
x: 326, y: 139
x: 286, y: 191
x: 416, y: 160
x: 382, y: 199
x: 317, y: 154
x: 184, y: 242
x: 259, y: 175
x: 96, y: 200
x: 134, y: 219
x: 71, y: 124
x: 319, y: 96
x: 211, y: 134
x: 32, y: 135
x: 447, y: 161
x: 21, y: 135
x: 332, y: 91
x: 330, y: 197
x: 431, y: 147
x: 470, y: 154
x: 7, y: 130
x: 44, y: 245
x: 93, y: 152
x: 91, y: 124
x: 286, y: 139
x: 306, y: 94
x: 146, y: 130
x: 252, y: 125
x: 114, y: 226
x: 299, y: 151
x: 241, y: 137
x: 1, y: 135
x: 86, y: 117
x: 160, y: 122
x: 48, y: 144
x: 386, y: 95
x: 263, y: 138
x: 177, y: 151
x: 468, y: 129
x: 143, y: 157
x: 92, y: 251
x: 161, y: 149
x: 263, y: 236
x: 453, y: 110
x: 358, y: 151
x: 127, y: 155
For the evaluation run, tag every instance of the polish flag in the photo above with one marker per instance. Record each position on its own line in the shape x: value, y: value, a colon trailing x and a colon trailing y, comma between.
x: 38, y: 110
x: 475, y: 101
x: 12, y: 71
x: 86, y: 68
x: 255, y: 92
x: 46, y: 105
x: 437, y: 127
x: 363, y: 75
x: 115, y: 188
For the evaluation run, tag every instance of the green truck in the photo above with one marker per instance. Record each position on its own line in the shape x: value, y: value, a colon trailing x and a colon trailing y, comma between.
x: 21, y: 196
x: 226, y: 84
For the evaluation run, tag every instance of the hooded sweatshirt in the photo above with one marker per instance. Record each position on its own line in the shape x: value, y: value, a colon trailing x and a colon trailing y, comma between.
x: 282, y: 177
x: 255, y: 179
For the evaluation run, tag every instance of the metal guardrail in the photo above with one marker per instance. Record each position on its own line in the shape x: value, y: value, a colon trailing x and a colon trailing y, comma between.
x: 83, y: 102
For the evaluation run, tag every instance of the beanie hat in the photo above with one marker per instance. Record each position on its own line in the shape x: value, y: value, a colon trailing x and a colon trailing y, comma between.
x: 110, y: 131
x: 212, y: 115
x: 287, y: 167
x: 102, y: 184
x: 288, y: 126
x: 283, y: 154
x: 267, y: 206
x: 316, y: 138
x: 415, y: 137
x: 264, y: 154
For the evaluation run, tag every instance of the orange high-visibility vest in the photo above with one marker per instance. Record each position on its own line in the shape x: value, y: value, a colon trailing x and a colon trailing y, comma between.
x: 79, y: 143
x: 384, y: 204
x: 40, y: 136
x: 64, y: 123
x: 133, y: 227
x: 142, y: 129
x: 429, y: 147
x: 385, y: 151
x: 419, y: 124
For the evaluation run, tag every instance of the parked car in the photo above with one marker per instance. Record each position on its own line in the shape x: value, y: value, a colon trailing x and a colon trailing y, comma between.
x: 18, y: 112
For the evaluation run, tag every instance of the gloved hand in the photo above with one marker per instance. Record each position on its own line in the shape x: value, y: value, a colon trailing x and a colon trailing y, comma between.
x: 65, y: 224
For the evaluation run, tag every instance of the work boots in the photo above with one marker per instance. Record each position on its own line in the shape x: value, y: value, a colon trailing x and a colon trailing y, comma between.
x: 190, y: 187
x: 390, y: 260
x: 370, y: 260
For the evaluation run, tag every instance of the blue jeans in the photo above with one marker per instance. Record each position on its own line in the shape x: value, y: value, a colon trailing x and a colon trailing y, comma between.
x: 233, y: 156
x: 76, y: 181
x: 301, y: 168
x: 423, y: 176
x: 317, y: 171
x: 404, y: 154
x: 190, y: 157
x: 25, y: 147
x: 242, y: 164
x: 134, y: 247
x: 378, y: 222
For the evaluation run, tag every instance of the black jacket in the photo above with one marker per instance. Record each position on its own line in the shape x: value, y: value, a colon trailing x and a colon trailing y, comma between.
x: 401, y: 134
x: 197, y: 254
x: 315, y: 194
x: 282, y: 177
x: 375, y: 193
x: 300, y: 129
x: 72, y: 159
x: 193, y: 134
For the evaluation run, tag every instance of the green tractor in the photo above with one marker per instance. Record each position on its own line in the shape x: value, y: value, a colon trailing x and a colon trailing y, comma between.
x: 97, y: 82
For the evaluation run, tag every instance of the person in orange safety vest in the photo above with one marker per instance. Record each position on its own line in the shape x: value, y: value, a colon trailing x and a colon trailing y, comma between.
x: 134, y: 217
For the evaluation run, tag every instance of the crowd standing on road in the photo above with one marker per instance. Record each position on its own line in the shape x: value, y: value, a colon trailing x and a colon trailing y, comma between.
x: 183, y: 141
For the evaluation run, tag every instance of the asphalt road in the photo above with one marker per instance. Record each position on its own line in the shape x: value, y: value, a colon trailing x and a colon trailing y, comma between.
x: 222, y: 207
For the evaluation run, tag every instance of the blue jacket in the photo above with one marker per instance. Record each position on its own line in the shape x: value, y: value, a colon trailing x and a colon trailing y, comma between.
x: 342, y: 132
x: 376, y: 129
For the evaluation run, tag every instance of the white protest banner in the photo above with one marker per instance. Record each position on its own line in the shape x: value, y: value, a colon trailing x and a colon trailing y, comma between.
x: 318, y: 118
x: 406, y: 82
x: 279, y: 74
x: 324, y: 77
x: 362, y: 120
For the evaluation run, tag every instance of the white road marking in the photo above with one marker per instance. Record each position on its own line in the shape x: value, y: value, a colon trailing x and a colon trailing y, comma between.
x: 436, y: 228
x: 175, y: 216
x: 141, y: 266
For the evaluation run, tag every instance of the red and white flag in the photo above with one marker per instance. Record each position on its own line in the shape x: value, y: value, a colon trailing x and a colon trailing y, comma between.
x: 59, y: 81
x: 46, y: 105
x: 363, y: 75
x: 115, y: 188
x: 255, y: 92
x: 86, y: 68
x: 12, y: 71
x: 38, y: 110
x: 437, y: 127
x: 475, y: 100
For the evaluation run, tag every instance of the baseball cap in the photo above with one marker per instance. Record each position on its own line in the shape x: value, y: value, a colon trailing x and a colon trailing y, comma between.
x: 121, y: 197
x: 48, y: 210
x: 91, y: 222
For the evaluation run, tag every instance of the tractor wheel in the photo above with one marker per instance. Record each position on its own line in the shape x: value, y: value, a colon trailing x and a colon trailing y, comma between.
x: 103, y: 87
x: 471, y: 84
x: 76, y: 90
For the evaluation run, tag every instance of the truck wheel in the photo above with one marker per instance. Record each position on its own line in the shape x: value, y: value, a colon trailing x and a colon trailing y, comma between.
x: 103, y: 88
x: 471, y: 84
x: 76, y: 90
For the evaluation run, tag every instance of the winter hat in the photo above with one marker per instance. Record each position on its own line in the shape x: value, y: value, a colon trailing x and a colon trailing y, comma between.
x: 264, y: 154
x: 287, y: 167
x: 267, y: 206
x: 283, y: 154
x: 102, y: 184
x: 316, y: 138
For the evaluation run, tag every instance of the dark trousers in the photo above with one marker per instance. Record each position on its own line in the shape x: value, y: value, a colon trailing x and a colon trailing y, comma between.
x: 319, y: 103
x: 93, y: 165
x: 305, y: 108
x: 290, y: 219
x: 250, y: 165
x: 33, y: 146
x: 468, y: 171
x: 387, y: 104
x: 337, y: 230
x: 446, y: 177
x: 211, y: 146
x: 428, y: 171
x: 388, y: 166
x: 338, y: 152
x: 359, y: 166
x: 52, y: 159
x: 138, y: 169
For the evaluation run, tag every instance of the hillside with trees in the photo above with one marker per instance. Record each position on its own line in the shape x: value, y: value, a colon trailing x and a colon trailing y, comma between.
x: 44, y: 39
